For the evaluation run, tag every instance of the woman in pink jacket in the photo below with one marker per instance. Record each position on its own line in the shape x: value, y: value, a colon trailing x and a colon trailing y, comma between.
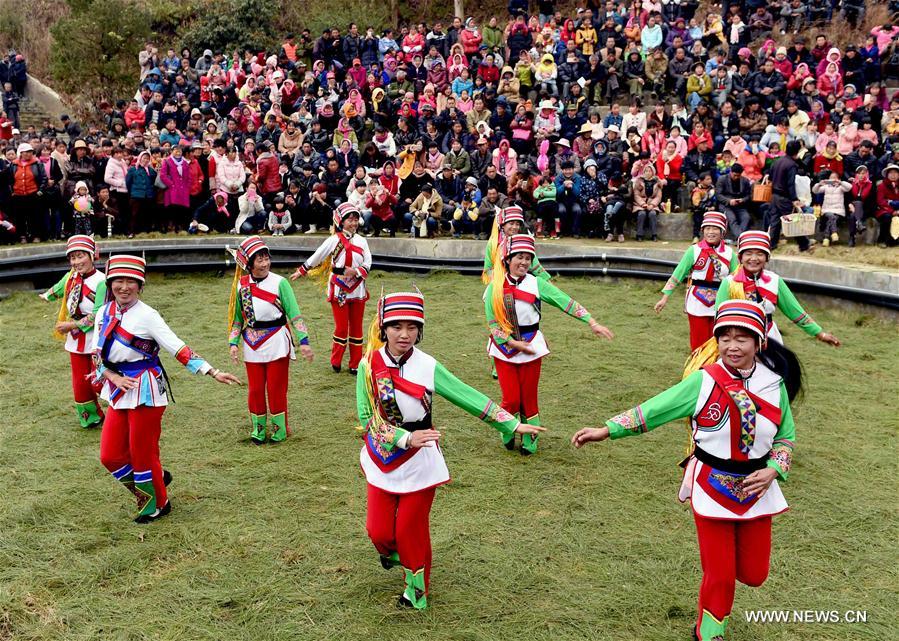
x: 176, y: 175
x: 114, y: 176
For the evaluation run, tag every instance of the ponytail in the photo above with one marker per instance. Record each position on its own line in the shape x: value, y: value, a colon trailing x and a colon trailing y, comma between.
x: 783, y: 362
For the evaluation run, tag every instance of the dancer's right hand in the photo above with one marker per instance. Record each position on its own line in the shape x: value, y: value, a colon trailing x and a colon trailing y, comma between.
x: 521, y: 346
x: 233, y: 352
x: 124, y: 383
x: 588, y: 434
x: 524, y: 428
x: 296, y: 274
x: 423, y: 438
x: 661, y: 304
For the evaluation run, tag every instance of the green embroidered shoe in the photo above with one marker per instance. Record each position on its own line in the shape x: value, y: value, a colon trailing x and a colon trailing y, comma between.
x: 414, y: 596
x: 258, y: 433
x: 529, y: 441
x: 279, y: 424
x: 89, y: 414
x: 391, y: 561
x: 146, y: 495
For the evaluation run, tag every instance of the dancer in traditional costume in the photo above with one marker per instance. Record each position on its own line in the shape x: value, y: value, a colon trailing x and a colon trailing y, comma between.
x: 513, y: 307
x: 706, y: 263
x: 401, y: 457
x: 508, y: 222
x: 128, y: 335
x: 742, y: 428
x: 345, y: 260
x: 752, y: 281
x: 263, y: 313
x: 81, y: 291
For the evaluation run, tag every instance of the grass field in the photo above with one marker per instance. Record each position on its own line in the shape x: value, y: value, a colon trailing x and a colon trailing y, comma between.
x: 268, y: 543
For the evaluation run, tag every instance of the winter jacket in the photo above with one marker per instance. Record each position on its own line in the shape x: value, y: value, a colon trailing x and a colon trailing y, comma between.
x: 177, y: 184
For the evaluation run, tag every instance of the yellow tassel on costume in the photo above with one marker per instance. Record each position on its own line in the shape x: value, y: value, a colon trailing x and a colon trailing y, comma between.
x: 492, y: 244
x: 705, y: 354
x: 232, y: 301
x: 61, y: 317
x: 321, y: 275
x: 373, y: 344
x: 496, y: 301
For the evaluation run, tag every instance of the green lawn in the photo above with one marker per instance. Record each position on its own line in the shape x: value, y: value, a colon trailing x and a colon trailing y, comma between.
x: 269, y: 542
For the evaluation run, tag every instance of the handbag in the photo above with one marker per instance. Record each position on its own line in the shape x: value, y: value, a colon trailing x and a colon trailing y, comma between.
x: 158, y: 182
x: 762, y: 191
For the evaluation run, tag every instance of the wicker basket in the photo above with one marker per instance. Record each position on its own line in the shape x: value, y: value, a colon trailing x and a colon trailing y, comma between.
x: 761, y: 191
x: 798, y: 224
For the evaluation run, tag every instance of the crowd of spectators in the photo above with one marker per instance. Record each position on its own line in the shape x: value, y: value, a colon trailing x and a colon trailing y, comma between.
x: 621, y: 111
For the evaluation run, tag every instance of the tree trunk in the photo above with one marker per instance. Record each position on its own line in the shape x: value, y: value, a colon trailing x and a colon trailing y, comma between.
x: 459, y: 9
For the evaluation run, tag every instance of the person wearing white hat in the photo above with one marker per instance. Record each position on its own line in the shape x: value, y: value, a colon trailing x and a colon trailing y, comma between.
x: 752, y: 281
x: 401, y: 459
x: 26, y: 206
x: 128, y: 335
x: 343, y: 260
x: 705, y: 263
x: 81, y: 291
x: 742, y: 440
x: 512, y: 305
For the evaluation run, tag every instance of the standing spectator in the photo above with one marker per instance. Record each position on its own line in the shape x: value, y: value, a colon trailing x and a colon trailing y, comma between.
x: 115, y: 177
x: 568, y: 191
x: 833, y: 206
x: 175, y: 173
x: 140, y: 181
x: 734, y: 192
x: 28, y: 182
x: 11, y: 103
x: 784, y: 198
x: 647, y: 201
x: 888, y: 207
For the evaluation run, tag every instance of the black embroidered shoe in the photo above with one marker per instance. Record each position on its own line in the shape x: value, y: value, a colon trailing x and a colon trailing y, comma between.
x: 158, y: 514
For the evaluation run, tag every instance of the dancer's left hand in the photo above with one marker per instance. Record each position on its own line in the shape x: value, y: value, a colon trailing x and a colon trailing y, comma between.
x: 306, y: 353
x: 759, y: 481
x: 64, y: 327
x: 601, y: 330
x: 226, y: 378
x: 826, y: 337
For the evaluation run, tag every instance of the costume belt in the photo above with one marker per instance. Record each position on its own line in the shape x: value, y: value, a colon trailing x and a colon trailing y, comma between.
x: 730, y: 465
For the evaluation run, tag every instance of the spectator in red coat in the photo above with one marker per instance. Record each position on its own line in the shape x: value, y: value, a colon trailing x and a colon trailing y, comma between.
x: 888, y: 206
x: 267, y: 176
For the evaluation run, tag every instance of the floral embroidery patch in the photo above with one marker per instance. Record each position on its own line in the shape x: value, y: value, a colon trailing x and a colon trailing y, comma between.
x: 782, y: 454
x: 631, y: 420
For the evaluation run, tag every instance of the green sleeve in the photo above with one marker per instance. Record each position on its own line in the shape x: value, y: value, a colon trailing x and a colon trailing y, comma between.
x: 386, y: 434
x: 734, y: 262
x: 292, y: 311
x: 723, y: 294
x: 488, y: 258
x: 236, y: 323
x: 781, y: 455
x: 539, y: 271
x: 557, y: 298
x: 674, y: 403
x: 59, y: 289
x: 496, y: 331
x: 787, y: 303
x: 472, y: 401
x: 684, y: 267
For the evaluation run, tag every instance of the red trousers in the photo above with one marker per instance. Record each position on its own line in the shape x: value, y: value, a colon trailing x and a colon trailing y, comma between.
x: 347, y: 328
x: 401, y: 523
x: 82, y: 367
x: 268, y: 377
x: 730, y: 551
x: 131, y: 438
x: 700, y: 329
x: 518, y: 382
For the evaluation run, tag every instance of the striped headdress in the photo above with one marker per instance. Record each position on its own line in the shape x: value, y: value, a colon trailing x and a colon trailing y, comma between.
x: 248, y: 246
x: 82, y: 243
x: 341, y: 212
x: 742, y: 313
x: 126, y: 266
x: 511, y: 213
x: 521, y: 243
x: 714, y: 219
x: 754, y: 240
x: 408, y: 306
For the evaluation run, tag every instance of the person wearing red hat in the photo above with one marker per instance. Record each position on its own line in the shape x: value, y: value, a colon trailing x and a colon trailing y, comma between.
x: 128, y: 335
x: 401, y: 456
x: 513, y: 308
x: 344, y: 259
x: 82, y: 290
x: 742, y: 442
x: 706, y: 263
x: 265, y: 318
x: 753, y: 282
